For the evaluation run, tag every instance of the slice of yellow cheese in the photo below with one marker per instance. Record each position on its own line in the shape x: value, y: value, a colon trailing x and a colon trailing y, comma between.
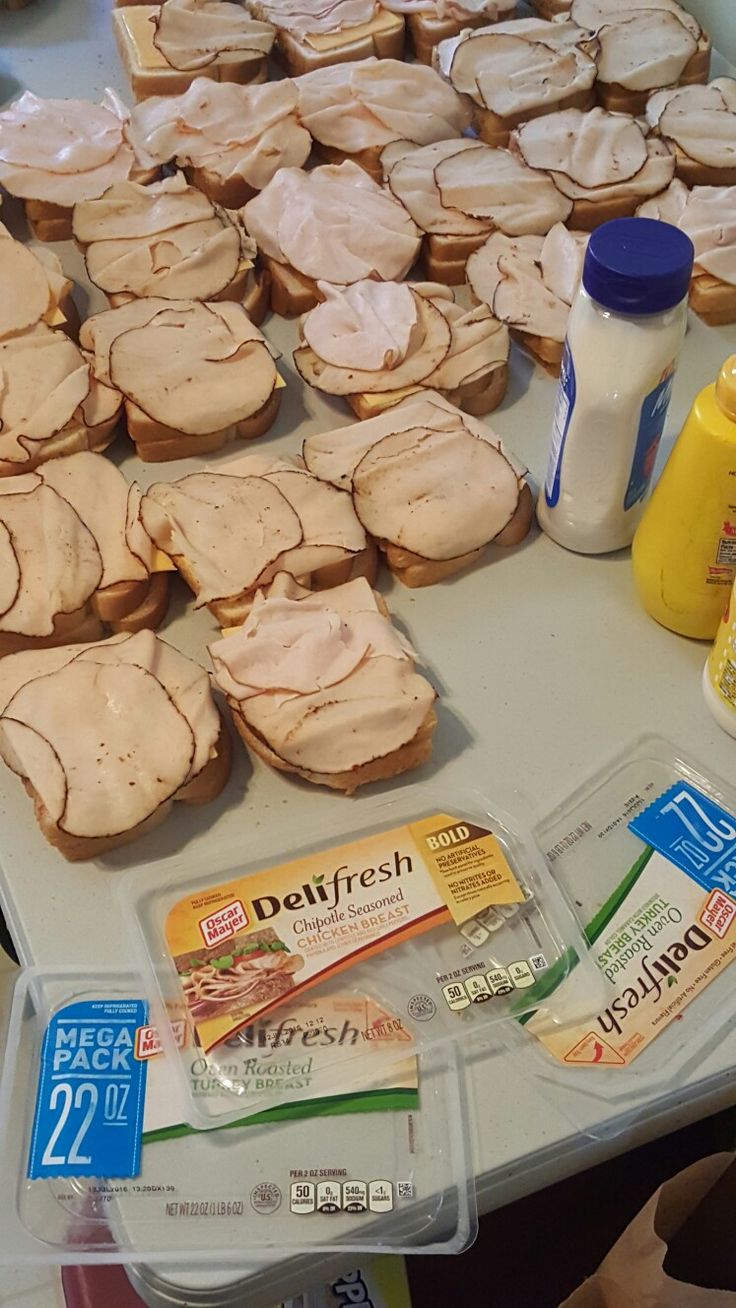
x: 380, y: 400
x: 54, y: 317
x: 383, y: 22
x: 136, y: 19
x: 162, y: 562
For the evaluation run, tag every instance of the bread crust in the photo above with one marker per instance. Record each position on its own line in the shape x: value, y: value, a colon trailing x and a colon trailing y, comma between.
x: 292, y: 292
x: 95, y: 438
x: 202, y: 789
x: 425, y: 31
x: 445, y: 257
x: 412, y: 755
x: 369, y: 160
x: 712, y: 299
x: 249, y: 287
x: 156, y: 443
x: 53, y: 222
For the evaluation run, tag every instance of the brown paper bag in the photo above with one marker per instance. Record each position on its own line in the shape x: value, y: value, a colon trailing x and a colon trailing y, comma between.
x: 632, y: 1274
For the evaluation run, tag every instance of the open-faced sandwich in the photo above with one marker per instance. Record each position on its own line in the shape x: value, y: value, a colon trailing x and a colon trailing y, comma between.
x: 698, y: 124
x: 376, y: 343
x: 324, y: 686
x: 333, y: 224
x: 56, y: 152
x: 458, y: 192
x: 431, y: 21
x: 106, y: 736
x: 75, y: 558
x: 318, y: 33
x: 167, y: 239
x: 164, y: 47
x: 643, y: 45
x: 230, y: 530
x: 193, y: 374
x: 603, y: 163
x: 354, y: 110
x: 529, y: 282
x: 707, y: 214
x: 514, y: 71
x: 433, y: 486
x: 230, y: 140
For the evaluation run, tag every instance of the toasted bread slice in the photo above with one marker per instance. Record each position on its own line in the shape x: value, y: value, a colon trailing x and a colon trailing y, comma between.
x: 369, y: 159
x: 53, y: 222
x: 427, y: 30
x: 693, y: 173
x: 382, y: 38
x: 229, y: 192
x: 543, y: 349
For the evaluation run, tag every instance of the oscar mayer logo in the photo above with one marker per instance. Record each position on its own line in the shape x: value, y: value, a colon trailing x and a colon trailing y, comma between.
x: 225, y: 922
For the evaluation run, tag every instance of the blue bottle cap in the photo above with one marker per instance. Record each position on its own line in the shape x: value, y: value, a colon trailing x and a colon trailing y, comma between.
x: 638, y: 265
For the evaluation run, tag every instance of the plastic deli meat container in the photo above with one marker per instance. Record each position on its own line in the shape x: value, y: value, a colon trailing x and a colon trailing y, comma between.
x: 301, y: 969
x: 646, y: 851
x: 81, y: 1087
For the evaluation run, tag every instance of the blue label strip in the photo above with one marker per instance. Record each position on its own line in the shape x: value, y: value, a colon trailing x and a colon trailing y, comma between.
x: 91, y: 1092
x: 694, y: 833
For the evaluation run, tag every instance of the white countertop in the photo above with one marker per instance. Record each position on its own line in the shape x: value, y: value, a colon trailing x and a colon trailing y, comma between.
x: 545, y: 663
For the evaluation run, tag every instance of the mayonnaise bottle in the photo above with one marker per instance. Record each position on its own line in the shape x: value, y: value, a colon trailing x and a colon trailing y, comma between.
x: 684, y: 551
x: 719, y: 673
x: 624, y: 335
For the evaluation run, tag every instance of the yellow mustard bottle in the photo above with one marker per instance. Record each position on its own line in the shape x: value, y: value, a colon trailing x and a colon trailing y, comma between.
x: 684, y: 550
x: 719, y: 673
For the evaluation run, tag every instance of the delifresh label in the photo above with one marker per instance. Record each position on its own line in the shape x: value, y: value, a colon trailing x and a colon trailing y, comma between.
x: 283, y: 929
x: 665, y: 934
x: 91, y: 1092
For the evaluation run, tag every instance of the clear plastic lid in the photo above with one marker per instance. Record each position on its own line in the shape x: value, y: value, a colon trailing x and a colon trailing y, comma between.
x: 340, y: 956
x: 664, y: 939
x: 391, y: 1180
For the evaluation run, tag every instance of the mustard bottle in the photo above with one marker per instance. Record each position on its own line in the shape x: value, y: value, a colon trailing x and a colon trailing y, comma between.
x: 684, y: 550
x: 719, y: 673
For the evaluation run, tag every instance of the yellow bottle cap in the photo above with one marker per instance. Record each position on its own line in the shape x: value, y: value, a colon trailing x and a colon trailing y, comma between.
x: 726, y: 387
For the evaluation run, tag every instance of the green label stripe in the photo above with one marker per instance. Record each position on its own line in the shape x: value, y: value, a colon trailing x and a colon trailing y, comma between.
x: 555, y: 975
x: 365, y: 1101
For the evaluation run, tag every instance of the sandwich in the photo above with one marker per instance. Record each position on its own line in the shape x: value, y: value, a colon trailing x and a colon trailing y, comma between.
x: 106, y: 736
x: 643, y: 45
x: 229, y: 531
x: 193, y: 375
x: 529, y: 282
x: 325, y: 687
x: 514, y: 71
x: 76, y: 560
x: 698, y: 123
x: 56, y: 152
x: 433, y: 486
x: 168, y: 240
x: 707, y: 214
x: 458, y: 192
x: 333, y: 224
x: 605, y: 164
x: 164, y: 47
x: 230, y: 140
x: 375, y: 343
x: 313, y: 34
x: 353, y: 110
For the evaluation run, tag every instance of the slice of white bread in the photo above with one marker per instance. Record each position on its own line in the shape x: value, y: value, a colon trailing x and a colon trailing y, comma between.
x: 382, y: 38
